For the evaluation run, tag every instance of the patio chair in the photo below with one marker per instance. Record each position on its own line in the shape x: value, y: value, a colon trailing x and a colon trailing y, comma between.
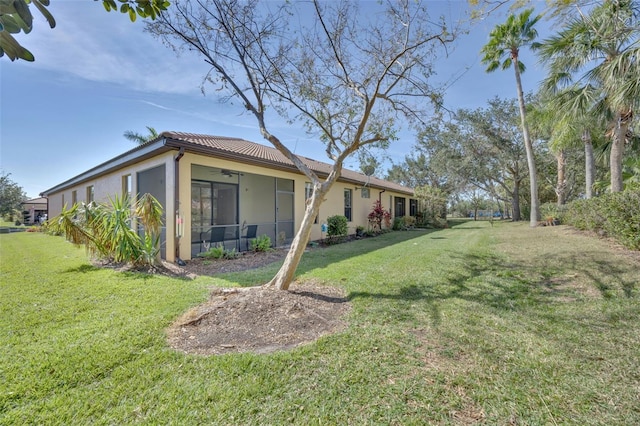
x: 216, y: 235
x: 251, y: 234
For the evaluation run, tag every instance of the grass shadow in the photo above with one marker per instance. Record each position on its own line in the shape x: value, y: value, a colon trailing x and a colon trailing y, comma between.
x: 509, y: 285
x: 478, y: 280
x: 322, y: 257
x: 84, y: 268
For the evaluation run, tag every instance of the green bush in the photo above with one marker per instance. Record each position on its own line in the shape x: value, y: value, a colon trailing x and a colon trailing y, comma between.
x: 262, y: 243
x: 616, y: 215
x: 553, y: 211
x: 409, y: 221
x: 219, y: 252
x: 398, y: 223
x: 336, y: 227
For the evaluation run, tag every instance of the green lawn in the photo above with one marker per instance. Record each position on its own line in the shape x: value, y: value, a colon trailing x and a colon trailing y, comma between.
x: 497, y: 324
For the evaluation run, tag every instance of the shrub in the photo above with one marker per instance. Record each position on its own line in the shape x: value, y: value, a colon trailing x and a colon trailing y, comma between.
x: 622, y: 211
x: 398, y: 223
x: 615, y: 214
x: 370, y: 233
x: 106, y: 229
x: 336, y: 227
x: 551, y: 211
x: 379, y: 215
x: 216, y: 252
x: 584, y: 215
x: 261, y: 244
x: 409, y: 221
x: 433, y: 204
x: 219, y: 252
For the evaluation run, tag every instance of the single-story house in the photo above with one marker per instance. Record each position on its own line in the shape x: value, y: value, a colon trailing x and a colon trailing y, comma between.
x: 227, y: 187
x: 34, y: 211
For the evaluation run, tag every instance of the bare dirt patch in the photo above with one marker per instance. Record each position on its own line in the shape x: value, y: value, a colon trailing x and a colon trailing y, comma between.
x: 259, y: 319
x: 246, y: 260
x: 256, y: 319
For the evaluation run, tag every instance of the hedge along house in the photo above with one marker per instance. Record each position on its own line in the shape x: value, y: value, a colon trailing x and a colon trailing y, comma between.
x: 225, y: 191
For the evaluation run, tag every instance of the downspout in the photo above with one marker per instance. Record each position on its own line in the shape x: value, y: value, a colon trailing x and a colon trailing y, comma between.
x: 176, y: 191
x: 380, y: 196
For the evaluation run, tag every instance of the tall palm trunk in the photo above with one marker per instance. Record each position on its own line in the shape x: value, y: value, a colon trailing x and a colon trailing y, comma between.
x: 617, y: 150
x: 561, y: 182
x: 531, y: 162
x: 590, y: 164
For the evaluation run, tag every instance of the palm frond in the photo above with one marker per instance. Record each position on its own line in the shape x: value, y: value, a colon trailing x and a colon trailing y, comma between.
x: 149, y: 213
x: 506, y: 39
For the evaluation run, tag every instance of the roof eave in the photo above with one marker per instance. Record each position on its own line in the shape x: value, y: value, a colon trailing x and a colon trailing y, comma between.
x: 129, y: 157
x: 199, y: 149
x: 164, y: 143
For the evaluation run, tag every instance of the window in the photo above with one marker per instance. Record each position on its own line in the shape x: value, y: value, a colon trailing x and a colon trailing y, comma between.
x: 399, y: 207
x: 63, y: 205
x: 126, y: 185
x: 413, y: 207
x: 213, y: 203
x: 89, y: 194
x: 74, y: 197
x: 308, y: 190
x: 347, y: 204
x: 364, y: 192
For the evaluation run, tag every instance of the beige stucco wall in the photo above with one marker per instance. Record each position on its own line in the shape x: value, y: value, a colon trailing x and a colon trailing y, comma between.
x: 112, y: 184
x: 251, y: 208
x: 107, y: 185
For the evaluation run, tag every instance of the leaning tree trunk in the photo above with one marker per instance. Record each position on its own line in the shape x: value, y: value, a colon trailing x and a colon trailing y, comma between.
x: 590, y: 164
x: 617, y: 151
x: 561, y: 183
x: 285, y: 275
x: 531, y: 162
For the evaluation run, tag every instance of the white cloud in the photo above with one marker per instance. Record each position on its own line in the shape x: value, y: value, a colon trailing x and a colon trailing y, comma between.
x: 98, y: 46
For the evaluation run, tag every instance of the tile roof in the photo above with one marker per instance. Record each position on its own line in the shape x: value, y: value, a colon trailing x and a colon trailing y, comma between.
x: 241, y: 149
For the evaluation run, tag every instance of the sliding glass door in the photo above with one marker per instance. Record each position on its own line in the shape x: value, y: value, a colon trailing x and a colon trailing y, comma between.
x: 213, y: 204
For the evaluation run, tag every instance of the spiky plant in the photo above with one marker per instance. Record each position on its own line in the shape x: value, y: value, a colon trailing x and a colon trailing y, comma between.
x: 107, y: 230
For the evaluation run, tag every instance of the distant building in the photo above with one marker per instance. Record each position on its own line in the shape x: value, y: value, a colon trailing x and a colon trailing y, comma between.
x: 34, y: 211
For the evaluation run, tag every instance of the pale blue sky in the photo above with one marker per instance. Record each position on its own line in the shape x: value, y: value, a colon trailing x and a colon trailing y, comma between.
x: 97, y: 75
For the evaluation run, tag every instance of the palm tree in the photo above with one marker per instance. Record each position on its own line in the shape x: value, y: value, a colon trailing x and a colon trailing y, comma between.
x: 568, y: 123
x: 602, y: 50
x: 141, y: 139
x: 584, y: 122
x: 503, y: 51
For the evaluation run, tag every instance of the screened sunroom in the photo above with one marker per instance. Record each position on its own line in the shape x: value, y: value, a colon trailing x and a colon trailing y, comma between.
x: 229, y: 208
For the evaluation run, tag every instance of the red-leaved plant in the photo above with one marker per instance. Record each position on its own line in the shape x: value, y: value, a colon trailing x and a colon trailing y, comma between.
x: 378, y: 215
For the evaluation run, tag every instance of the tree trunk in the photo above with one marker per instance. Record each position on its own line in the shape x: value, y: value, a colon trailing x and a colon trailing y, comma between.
x: 617, y: 151
x: 561, y: 183
x: 590, y: 164
x: 515, y: 201
x: 531, y: 162
x: 285, y: 275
